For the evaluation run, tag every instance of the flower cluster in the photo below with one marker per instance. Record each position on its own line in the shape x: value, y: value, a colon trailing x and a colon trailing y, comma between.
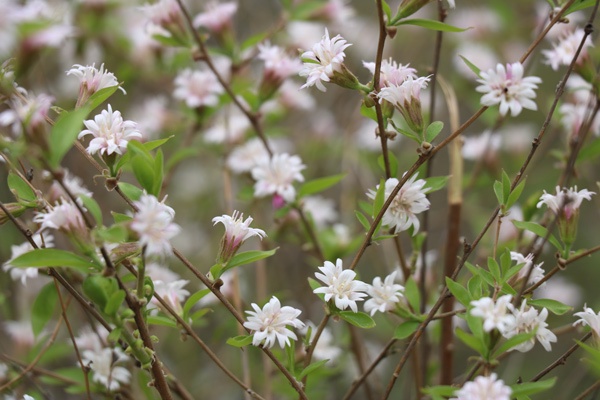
x: 111, y: 133
x: 484, y: 387
x: 340, y: 285
x: 153, y: 223
x: 270, y: 324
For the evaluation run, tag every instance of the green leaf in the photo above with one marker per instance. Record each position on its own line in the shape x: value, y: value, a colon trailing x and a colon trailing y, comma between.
x: 131, y: 191
x: 363, y: 220
x: 40, y: 258
x: 513, y: 342
x: 555, y: 307
x: 114, y: 302
x: 538, y: 230
x: 498, y: 192
x: 494, y: 269
x: 475, y: 287
x: 515, y: 194
x: 93, y: 208
x: 471, y: 66
x: 379, y: 198
x: 248, y: 257
x: 387, y: 10
x: 161, y: 320
x: 114, y: 234
x: 527, y: 388
x: 433, y: 130
x: 393, y: 163
x: 20, y: 189
x: 240, y: 341
x: 360, y: 319
x: 312, y: 367
x: 319, y: 185
x: 144, y: 172
x: 458, y: 291
x: 63, y: 134
x: 192, y: 300
x: 368, y: 112
x: 589, y: 152
x: 579, y: 5
x: 100, y: 97
x: 412, y: 294
x: 99, y: 289
x: 254, y: 40
x: 435, y: 183
x: 440, y: 391
x: 406, y: 329
x: 430, y: 24
x: 470, y: 341
x: 158, y: 173
x: 505, y: 187
x: 43, y: 308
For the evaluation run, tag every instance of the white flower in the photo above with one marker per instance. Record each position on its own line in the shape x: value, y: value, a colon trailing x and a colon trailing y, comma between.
x: 63, y: 216
x: 228, y: 127
x: 111, y: 134
x: 20, y: 332
x: 321, y: 209
x: 483, y: 146
x: 26, y: 110
x: 276, y: 175
x: 172, y: 293
x: 91, y: 339
x: 105, y: 372
x: 197, y: 88
x: 507, y: 86
x: 384, y: 295
x: 484, y: 388
x: 575, y: 115
x: 92, y: 80
x: 402, y: 94
x: 246, y: 156
x: 153, y: 222
x: 325, y: 348
x: 410, y: 201
x: 217, y: 16
x: 46, y: 241
x: 590, y: 318
x: 340, y: 285
x: 237, y: 231
x: 493, y: 312
x: 564, y: 51
x: 392, y: 73
x: 73, y: 183
x: 163, y: 13
x: 526, y: 320
x: 536, y: 275
x: 270, y: 324
x: 158, y: 272
x: 278, y: 64
x: 565, y: 201
x: 325, y: 58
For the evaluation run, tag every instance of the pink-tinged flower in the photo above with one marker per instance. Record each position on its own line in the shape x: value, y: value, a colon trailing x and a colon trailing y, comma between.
x: 111, y: 133
x: 52, y: 36
x: 91, y: 338
x: 246, y: 156
x: 237, y: 231
x: 278, y: 64
x: 340, y: 285
x: 27, y: 111
x: 323, y: 61
x: 494, y: 313
x: 197, y: 88
x: 321, y: 209
x: 20, y: 332
x: 566, y: 202
x: 64, y: 216
x: 564, y: 50
x: 102, y: 363
x: 482, y: 147
x: 229, y: 127
x: 527, y: 320
x: 92, y: 80
x: 46, y: 241
x: 153, y: 222
x: 391, y: 72
x: 164, y: 13
x: 337, y: 11
x: 590, y: 318
x: 276, y: 176
x: 172, y: 293
x: 484, y: 387
x: 216, y: 16
x: 410, y: 201
x: 73, y: 183
x: 384, y: 295
x: 507, y: 86
x: 406, y: 97
x: 270, y: 324
x: 536, y: 275
x: 574, y: 116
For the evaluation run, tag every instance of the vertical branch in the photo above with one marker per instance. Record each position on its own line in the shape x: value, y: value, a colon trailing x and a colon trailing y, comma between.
x: 377, y: 85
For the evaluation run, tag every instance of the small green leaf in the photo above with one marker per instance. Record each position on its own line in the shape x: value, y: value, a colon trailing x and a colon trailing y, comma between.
x: 513, y: 342
x: 555, y: 307
x: 475, y: 287
x: 312, y: 367
x: 158, y: 173
x: 93, y: 208
x: 433, y: 130
x: 406, y: 329
x: 471, y: 66
x: 240, y: 341
x: 161, y: 320
x: 505, y: 187
x: 40, y: 258
x: 538, y: 230
x: 430, y: 24
x: 319, y: 185
x: 144, y: 172
x: 248, y: 257
x: 435, y: 183
x: 192, y: 300
x: 494, y: 269
x: 515, y: 194
x: 43, y: 308
x: 387, y: 10
x: 360, y: 319
x: 527, y: 388
x: 114, y: 302
x: 99, y: 289
x: 363, y: 220
x: 64, y: 132
x: 368, y: 112
x: 20, y: 189
x: 458, y: 291
x: 131, y: 191
x: 114, y: 234
x: 379, y: 198
x: 498, y: 192
x: 412, y: 294
x: 470, y: 341
x: 393, y: 163
x: 579, y: 5
x: 100, y: 97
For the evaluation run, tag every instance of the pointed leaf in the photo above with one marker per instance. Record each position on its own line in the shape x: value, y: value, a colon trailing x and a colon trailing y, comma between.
x: 433, y: 130
x: 40, y: 258
x: 513, y: 342
x: 193, y: 299
x: 312, y: 367
x: 319, y: 185
x: 406, y: 329
x: 63, y: 134
x: 360, y: 319
x: 538, y: 230
x: 470, y: 341
x: 20, y: 188
x: 435, y: 183
x: 528, y: 388
x: 100, y: 97
x: 430, y: 24
x: 412, y: 294
x: 240, y: 341
x: 555, y: 307
x: 458, y: 291
x: 248, y: 257
x: 43, y: 308
x: 363, y: 220
x: 471, y: 66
